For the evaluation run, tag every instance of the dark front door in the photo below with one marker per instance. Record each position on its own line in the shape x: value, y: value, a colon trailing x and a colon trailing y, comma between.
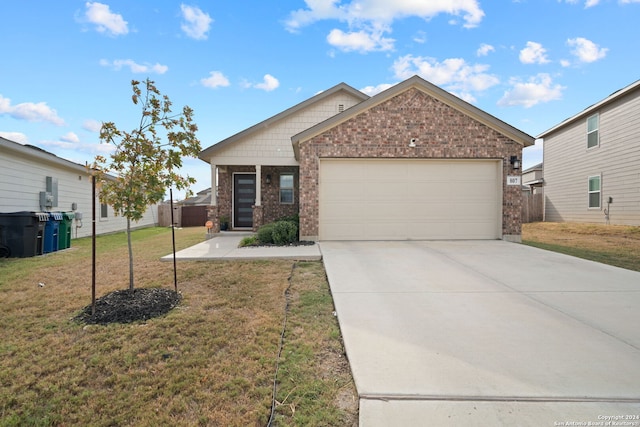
x: 244, y: 197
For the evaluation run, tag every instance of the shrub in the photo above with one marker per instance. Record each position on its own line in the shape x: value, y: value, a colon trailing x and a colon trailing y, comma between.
x: 265, y: 234
x: 295, y: 218
x: 284, y: 232
x: 248, y: 241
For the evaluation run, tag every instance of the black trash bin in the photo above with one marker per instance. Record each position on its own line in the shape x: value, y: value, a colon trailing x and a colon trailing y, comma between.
x: 22, y: 233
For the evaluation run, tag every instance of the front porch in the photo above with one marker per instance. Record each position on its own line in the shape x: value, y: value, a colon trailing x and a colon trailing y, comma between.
x: 248, y: 196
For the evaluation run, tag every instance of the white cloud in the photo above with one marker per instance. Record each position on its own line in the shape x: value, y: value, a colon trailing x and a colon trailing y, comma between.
x: 485, y: 49
x: 270, y: 83
x: 383, y: 11
x: 369, y: 20
x: 134, y: 67
x: 534, y: 53
x: 75, y: 148
x: 18, y: 137
x: 29, y: 111
x: 536, y: 90
x: 105, y: 21
x: 586, y: 50
x: 587, y: 3
x: 360, y: 41
x: 92, y: 125
x: 70, y: 137
x: 420, y: 37
x: 374, y: 90
x: 453, y: 74
x: 216, y: 79
x: 197, y: 23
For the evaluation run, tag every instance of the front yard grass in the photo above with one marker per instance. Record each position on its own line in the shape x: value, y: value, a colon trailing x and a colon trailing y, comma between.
x: 616, y: 245
x: 210, y: 361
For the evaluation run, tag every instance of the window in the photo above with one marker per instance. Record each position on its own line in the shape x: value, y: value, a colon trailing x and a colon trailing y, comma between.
x: 286, y: 188
x: 593, y: 123
x: 104, y: 210
x: 594, y: 192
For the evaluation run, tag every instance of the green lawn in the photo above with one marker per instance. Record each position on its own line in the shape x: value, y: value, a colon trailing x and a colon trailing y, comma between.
x: 210, y: 361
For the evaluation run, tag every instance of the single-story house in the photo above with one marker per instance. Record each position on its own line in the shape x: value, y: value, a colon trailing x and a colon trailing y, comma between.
x: 592, y: 163
x: 34, y: 180
x: 412, y: 162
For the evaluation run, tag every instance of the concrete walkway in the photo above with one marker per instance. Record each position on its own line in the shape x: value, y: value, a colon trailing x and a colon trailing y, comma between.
x: 486, y: 333
x: 224, y: 245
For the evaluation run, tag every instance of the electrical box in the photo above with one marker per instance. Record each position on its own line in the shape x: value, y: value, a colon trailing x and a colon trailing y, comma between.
x: 46, y: 201
x: 78, y: 216
x: 52, y: 189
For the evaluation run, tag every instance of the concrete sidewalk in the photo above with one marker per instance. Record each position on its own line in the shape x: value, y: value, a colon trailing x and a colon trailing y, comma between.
x: 224, y: 246
x: 486, y: 333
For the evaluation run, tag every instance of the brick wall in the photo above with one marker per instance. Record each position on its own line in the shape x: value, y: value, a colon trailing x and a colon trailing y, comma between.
x: 385, y: 131
x: 272, y: 209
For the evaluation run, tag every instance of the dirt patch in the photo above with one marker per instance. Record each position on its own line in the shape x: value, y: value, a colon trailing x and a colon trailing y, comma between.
x: 126, y: 306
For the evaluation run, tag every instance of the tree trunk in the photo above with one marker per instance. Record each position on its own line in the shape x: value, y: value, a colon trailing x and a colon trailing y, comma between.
x: 130, y: 254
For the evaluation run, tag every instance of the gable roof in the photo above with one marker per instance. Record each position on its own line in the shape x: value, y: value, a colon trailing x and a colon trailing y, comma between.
x: 207, y: 153
x: 432, y: 90
x: 539, y: 166
x: 590, y: 110
x: 39, y: 154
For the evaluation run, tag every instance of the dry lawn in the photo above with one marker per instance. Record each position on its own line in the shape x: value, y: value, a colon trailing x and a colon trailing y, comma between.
x: 610, y: 244
x: 210, y: 361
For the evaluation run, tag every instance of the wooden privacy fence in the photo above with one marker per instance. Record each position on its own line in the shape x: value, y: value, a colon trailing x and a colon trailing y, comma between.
x: 532, y: 207
x: 183, y: 216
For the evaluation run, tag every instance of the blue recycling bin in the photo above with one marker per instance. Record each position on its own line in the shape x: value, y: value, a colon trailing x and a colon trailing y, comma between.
x: 22, y: 233
x: 51, y: 232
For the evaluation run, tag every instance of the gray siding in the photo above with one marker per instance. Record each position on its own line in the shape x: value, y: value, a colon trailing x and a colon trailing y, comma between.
x: 23, y: 173
x: 568, y: 164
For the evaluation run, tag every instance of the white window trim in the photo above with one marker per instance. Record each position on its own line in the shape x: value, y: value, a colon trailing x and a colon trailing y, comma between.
x: 292, y: 188
x: 589, y: 192
x: 597, y: 115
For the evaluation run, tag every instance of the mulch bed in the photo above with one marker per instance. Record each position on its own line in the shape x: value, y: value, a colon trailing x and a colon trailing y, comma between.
x: 126, y: 306
x: 273, y: 245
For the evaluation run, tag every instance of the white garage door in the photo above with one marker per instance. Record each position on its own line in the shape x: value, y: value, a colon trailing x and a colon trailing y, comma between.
x: 392, y: 199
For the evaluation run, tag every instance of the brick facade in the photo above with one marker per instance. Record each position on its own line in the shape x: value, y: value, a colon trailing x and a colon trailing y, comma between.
x: 271, y: 208
x: 384, y: 131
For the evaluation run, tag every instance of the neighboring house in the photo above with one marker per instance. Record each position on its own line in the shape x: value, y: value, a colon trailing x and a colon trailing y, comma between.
x: 533, y: 179
x: 412, y: 162
x: 201, y: 198
x: 35, y: 180
x: 592, y: 159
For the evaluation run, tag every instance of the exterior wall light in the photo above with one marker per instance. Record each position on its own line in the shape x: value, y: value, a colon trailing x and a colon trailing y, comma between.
x: 515, y: 163
x: 268, y: 179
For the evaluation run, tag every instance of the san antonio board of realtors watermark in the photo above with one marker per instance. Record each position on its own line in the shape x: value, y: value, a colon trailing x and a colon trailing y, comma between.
x: 605, y: 420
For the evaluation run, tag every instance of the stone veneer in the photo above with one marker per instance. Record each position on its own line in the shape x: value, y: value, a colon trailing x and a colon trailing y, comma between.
x: 384, y: 131
x: 271, y: 208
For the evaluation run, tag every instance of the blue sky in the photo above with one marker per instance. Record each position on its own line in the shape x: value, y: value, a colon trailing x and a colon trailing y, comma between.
x: 67, y: 65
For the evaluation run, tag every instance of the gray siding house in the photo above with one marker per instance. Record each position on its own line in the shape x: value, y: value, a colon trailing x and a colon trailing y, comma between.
x: 592, y: 163
x: 26, y: 171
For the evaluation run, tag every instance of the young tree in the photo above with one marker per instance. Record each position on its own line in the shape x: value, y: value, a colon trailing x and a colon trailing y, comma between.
x: 145, y: 162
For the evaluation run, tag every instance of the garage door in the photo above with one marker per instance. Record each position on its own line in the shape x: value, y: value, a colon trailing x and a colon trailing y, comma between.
x: 391, y: 199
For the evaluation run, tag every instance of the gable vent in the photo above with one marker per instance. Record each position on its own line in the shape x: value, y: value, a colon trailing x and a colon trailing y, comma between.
x: 340, y: 108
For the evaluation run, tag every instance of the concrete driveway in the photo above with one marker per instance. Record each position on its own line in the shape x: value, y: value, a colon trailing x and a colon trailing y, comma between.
x: 486, y: 333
